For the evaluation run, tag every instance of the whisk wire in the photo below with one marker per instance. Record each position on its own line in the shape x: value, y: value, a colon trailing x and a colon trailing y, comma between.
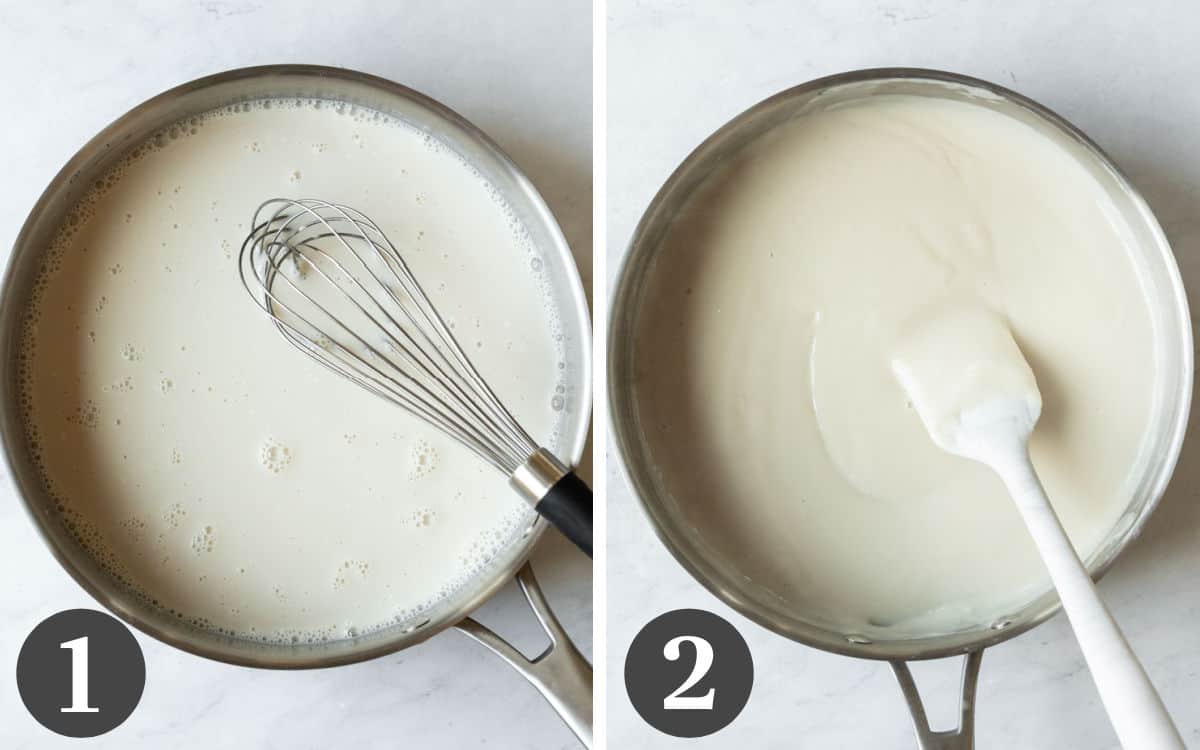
x: 336, y: 357
x: 499, y: 415
x: 421, y: 368
x: 382, y: 249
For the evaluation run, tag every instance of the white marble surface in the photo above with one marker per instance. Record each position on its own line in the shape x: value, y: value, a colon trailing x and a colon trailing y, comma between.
x: 523, y: 75
x: 1123, y: 72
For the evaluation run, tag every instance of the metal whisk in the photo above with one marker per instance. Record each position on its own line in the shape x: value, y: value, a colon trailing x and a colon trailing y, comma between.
x: 339, y: 291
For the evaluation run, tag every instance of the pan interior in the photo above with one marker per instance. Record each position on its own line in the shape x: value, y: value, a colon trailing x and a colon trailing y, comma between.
x: 361, y: 97
x: 720, y: 570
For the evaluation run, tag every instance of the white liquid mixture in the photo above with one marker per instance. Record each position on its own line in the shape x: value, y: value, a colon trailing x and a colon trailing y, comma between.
x: 762, y: 363
x: 217, y: 470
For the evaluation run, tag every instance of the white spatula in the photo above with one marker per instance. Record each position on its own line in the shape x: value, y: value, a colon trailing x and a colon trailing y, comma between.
x: 977, y: 397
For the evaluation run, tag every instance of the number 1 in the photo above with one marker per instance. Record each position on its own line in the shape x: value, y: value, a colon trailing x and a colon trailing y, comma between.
x: 79, y: 677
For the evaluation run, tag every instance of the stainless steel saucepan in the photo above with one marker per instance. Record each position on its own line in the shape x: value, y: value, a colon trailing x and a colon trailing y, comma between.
x: 1173, y: 366
x: 561, y: 674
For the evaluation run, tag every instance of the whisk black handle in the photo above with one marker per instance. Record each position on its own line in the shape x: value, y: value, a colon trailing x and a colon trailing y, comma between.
x: 568, y: 505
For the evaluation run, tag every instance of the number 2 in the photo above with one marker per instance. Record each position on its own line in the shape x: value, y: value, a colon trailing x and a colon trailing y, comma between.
x: 79, y: 677
x: 704, y: 660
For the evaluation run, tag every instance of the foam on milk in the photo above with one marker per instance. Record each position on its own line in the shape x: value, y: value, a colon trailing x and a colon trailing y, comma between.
x: 337, y: 514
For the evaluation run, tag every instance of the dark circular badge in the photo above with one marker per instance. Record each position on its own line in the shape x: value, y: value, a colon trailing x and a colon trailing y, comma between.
x: 688, y: 673
x: 81, y: 673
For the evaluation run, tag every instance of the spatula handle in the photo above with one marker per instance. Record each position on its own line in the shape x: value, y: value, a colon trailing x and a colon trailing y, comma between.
x: 1137, y: 712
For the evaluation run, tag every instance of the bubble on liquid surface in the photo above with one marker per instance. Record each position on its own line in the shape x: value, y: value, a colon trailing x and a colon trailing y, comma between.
x: 422, y: 460
x: 421, y: 518
x: 204, y: 540
x: 124, y: 385
x: 134, y: 528
x: 348, y: 571
x: 274, y: 455
x: 166, y: 385
x: 557, y: 402
x: 93, y: 540
x: 174, y: 515
x: 176, y: 456
x: 86, y: 415
x: 130, y: 353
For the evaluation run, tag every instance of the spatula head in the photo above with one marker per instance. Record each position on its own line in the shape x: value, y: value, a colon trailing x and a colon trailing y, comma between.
x: 967, y: 379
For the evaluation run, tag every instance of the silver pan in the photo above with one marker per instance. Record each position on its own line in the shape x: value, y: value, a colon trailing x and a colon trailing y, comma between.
x: 1171, y: 321
x: 561, y: 674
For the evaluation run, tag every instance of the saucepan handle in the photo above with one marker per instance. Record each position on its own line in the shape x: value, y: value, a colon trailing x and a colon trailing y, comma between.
x: 560, y: 673
x: 960, y: 738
